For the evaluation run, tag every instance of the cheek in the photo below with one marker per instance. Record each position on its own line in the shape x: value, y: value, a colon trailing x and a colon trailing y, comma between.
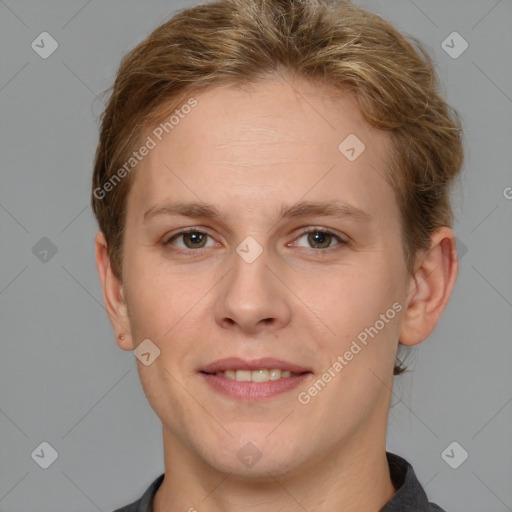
x: 363, y: 308
x: 353, y: 298
x: 168, y: 307
x: 155, y: 300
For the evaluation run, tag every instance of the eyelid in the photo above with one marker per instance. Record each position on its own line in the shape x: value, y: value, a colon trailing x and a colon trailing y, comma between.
x: 192, y: 229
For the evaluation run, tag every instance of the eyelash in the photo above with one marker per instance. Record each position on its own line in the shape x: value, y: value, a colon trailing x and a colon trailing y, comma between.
x: 301, y: 233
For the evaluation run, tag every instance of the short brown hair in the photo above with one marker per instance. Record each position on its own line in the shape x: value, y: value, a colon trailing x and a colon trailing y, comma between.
x: 335, y: 44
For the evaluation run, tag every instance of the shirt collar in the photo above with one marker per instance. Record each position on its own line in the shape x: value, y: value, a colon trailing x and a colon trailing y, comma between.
x: 410, y: 495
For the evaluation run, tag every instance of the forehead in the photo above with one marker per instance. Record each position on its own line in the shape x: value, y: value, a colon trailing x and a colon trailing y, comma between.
x: 278, y: 142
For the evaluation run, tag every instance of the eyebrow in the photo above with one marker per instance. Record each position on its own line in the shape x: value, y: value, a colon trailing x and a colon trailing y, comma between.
x: 336, y: 209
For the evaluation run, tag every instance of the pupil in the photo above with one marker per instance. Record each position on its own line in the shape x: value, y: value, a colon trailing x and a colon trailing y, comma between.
x: 319, y: 238
x: 195, y: 237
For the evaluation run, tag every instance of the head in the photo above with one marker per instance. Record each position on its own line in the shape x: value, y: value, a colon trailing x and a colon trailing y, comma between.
x: 271, y: 104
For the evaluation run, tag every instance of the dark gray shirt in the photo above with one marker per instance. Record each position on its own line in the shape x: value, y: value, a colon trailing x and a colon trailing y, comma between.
x: 409, y: 497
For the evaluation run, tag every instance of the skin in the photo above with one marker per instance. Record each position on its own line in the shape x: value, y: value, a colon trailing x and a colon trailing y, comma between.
x: 248, y: 152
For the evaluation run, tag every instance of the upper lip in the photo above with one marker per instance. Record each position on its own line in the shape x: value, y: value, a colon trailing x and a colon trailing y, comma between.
x: 235, y: 363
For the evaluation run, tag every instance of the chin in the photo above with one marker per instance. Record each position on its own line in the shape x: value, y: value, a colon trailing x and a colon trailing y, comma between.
x: 255, y: 455
x: 263, y: 469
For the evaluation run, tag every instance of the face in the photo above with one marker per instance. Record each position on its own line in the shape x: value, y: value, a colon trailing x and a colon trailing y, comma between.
x: 301, y: 269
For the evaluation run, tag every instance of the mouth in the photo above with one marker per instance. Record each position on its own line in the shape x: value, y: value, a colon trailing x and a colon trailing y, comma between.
x: 253, y: 380
x: 260, y: 375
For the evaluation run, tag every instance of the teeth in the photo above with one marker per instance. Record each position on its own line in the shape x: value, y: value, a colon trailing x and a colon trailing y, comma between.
x: 230, y: 374
x: 258, y: 375
x: 262, y: 375
x: 275, y: 374
x: 243, y: 375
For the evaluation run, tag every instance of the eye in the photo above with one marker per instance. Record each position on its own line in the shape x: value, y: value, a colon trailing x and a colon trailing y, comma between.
x: 320, y: 239
x: 192, y: 239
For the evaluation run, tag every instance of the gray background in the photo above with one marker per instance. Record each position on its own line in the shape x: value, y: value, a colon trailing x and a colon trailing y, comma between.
x: 63, y: 379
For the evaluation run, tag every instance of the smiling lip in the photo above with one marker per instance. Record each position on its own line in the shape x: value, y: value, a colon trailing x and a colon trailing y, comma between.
x: 253, y: 391
x: 235, y: 363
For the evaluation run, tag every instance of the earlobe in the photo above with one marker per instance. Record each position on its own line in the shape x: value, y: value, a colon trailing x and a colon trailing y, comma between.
x: 113, y: 294
x: 431, y: 287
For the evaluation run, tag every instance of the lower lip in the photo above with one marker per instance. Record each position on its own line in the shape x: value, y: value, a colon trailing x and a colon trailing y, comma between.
x: 253, y: 391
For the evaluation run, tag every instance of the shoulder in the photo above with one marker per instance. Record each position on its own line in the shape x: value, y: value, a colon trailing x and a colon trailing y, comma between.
x: 145, y: 502
x: 436, y: 508
x: 410, y: 494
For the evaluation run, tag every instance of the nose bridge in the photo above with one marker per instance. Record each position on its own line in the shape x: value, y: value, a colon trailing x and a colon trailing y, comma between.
x: 249, y: 279
x: 251, y: 294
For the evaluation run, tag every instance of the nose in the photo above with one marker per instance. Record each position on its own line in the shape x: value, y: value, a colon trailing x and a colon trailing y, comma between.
x: 253, y: 297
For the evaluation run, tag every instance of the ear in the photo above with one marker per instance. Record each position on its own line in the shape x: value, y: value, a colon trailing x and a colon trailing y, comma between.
x: 113, y: 294
x: 431, y: 287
